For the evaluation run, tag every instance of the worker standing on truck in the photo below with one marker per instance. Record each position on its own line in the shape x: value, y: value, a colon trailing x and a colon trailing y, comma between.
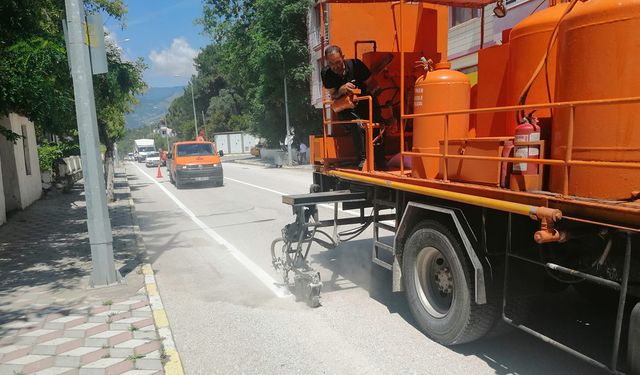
x: 341, y: 77
x: 200, y: 137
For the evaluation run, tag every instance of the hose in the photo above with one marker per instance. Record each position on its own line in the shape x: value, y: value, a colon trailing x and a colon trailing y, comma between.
x: 543, y: 64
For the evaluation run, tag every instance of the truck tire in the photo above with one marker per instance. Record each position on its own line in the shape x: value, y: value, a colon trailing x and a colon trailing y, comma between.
x: 179, y: 184
x: 439, y: 287
x: 633, y: 344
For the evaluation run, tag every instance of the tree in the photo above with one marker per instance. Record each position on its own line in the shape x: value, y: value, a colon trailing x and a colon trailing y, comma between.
x: 34, y: 74
x: 115, y: 93
x: 254, y: 44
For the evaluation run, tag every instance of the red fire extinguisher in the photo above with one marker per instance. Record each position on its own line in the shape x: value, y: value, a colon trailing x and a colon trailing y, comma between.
x: 527, y: 131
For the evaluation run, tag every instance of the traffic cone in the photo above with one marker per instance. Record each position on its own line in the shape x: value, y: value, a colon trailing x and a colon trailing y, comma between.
x: 159, y: 172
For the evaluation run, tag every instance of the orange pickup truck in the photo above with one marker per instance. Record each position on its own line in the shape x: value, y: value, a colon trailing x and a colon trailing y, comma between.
x: 193, y: 162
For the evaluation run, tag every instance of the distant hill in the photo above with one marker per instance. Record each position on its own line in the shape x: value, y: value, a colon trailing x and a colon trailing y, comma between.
x: 153, y: 105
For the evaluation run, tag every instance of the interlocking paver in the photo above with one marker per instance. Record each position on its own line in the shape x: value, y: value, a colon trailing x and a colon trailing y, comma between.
x: 134, y: 347
x: 27, y: 364
x: 67, y: 332
x: 38, y: 336
x: 108, y: 338
x: 9, y: 352
x: 143, y: 372
x: 57, y: 346
x: 151, y: 361
x: 131, y: 322
x: 148, y: 332
x: 65, y: 322
x: 128, y: 305
x: 80, y: 356
x: 58, y: 371
x: 86, y: 330
x: 143, y: 312
x: 107, y: 366
x: 109, y: 316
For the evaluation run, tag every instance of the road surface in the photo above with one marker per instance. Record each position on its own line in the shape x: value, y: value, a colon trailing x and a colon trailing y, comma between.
x: 210, y: 249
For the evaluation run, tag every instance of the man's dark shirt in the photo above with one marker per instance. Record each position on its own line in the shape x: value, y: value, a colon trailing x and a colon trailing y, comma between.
x: 355, y: 71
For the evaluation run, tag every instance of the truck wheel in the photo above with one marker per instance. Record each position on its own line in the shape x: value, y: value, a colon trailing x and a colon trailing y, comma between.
x: 179, y: 184
x: 438, y: 281
x: 633, y: 345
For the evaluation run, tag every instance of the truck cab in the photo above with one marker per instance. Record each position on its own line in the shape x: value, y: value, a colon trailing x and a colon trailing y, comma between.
x: 194, y: 162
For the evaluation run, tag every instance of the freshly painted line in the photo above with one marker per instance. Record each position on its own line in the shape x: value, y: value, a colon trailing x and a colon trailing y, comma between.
x: 281, y: 193
x: 258, y: 272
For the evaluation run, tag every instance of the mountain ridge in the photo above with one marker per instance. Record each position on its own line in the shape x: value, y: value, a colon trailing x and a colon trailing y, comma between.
x: 153, y: 104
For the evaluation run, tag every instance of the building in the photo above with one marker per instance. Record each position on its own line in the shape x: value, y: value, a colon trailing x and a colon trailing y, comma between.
x: 465, y: 30
x: 234, y: 142
x: 20, y: 179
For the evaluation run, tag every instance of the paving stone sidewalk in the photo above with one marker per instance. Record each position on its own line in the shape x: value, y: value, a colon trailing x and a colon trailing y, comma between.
x: 51, y: 321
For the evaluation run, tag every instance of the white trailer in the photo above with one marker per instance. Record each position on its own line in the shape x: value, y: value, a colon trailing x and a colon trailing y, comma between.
x: 142, y: 148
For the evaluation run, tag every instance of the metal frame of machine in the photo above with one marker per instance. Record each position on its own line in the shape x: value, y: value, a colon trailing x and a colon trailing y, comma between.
x: 474, y: 217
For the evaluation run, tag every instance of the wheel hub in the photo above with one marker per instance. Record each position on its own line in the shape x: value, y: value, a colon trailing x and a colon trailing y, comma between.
x: 444, y: 280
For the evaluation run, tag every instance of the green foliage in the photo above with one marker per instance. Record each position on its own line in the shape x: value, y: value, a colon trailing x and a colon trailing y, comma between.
x: 48, y: 153
x: 240, y: 81
x: 34, y: 72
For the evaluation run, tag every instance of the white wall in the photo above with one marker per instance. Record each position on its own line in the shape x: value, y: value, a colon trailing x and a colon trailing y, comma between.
x: 464, y: 39
x: 25, y: 188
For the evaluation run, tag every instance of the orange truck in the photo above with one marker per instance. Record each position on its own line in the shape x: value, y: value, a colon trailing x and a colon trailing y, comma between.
x: 194, y: 162
x: 482, y: 197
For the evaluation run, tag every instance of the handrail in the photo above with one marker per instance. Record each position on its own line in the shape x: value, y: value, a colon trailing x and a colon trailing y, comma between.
x: 567, y: 162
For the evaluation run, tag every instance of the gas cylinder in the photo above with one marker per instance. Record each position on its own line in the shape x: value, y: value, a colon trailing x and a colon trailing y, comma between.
x: 598, y: 58
x: 528, y: 42
x: 528, y: 131
x: 440, y: 90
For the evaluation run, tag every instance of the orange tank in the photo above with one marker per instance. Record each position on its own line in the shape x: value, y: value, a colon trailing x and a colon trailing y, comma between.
x: 528, y: 42
x: 599, y: 58
x: 440, y: 90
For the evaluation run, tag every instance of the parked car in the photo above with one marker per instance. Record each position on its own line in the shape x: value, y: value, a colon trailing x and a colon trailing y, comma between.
x: 152, y: 159
x: 193, y: 162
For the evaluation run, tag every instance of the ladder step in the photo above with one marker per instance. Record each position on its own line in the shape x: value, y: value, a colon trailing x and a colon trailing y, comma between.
x: 383, y: 264
x: 382, y: 245
x: 388, y: 227
x: 380, y: 202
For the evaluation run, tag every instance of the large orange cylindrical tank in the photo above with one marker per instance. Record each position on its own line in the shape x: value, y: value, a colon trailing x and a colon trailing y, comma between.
x: 528, y: 42
x: 440, y: 90
x: 599, y: 58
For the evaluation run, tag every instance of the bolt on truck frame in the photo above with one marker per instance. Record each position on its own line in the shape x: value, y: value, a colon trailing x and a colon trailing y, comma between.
x: 474, y: 233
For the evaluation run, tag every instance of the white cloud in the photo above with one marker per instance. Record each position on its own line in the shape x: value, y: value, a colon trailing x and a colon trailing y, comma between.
x: 175, y: 60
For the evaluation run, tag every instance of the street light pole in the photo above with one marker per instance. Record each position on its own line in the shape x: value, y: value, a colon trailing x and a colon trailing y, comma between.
x: 100, y: 238
x: 286, y: 114
x: 193, y: 101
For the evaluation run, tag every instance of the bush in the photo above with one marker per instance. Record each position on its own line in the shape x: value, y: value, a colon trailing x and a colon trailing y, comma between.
x: 48, y: 153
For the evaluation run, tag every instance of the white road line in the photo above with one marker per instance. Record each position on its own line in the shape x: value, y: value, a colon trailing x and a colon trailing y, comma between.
x: 258, y: 272
x: 281, y: 193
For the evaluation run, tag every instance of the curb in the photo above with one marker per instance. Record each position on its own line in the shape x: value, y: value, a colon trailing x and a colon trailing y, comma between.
x: 172, y: 364
x: 269, y: 165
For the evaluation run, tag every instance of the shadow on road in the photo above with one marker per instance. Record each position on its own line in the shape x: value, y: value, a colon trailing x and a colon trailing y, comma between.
x: 565, y: 316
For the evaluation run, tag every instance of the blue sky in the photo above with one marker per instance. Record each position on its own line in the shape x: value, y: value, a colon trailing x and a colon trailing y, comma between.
x: 162, y: 32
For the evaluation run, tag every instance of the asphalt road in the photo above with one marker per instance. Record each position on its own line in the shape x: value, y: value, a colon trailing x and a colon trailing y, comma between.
x: 210, y: 249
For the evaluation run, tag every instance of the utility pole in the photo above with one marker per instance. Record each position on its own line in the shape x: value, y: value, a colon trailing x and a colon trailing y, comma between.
x: 193, y: 102
x: 286, y: 114
x: 103, y: 266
